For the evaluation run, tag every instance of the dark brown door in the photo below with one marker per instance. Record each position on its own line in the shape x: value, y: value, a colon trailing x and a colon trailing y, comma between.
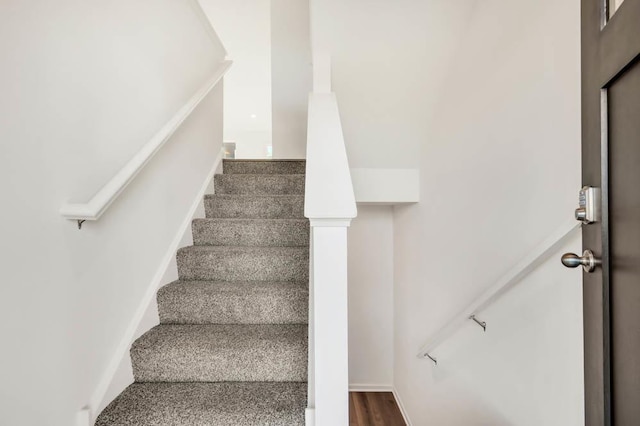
x: 611, y: 161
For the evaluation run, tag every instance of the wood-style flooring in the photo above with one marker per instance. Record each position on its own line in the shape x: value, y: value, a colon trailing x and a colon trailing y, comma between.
x: 374, y: 409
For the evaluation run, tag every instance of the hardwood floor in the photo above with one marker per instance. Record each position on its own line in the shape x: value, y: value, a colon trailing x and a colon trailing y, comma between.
x: 374, y: 409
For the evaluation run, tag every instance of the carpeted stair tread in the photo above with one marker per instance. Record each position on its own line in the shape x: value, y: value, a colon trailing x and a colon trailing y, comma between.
x: 251, y: 232
x: 230, y: 263
x: 232, y: 345
x: 208, y: 404
x: 215, y: 353
x: 254, y: 206
x: 234, y: 302
x: 264, y: 167
x: 259, y: 184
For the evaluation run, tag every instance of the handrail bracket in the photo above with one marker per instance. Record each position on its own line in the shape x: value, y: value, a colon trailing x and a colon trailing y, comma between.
x: 482, y: 324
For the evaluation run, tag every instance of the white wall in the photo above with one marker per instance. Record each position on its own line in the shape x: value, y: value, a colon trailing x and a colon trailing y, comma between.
x: 500, y: 171
x: 525, y: 370
x: 388, y: 58
x: 84, y: 86
x: 245, y: 28
x: 371, y: 299
x: 291, y: 76
x: 117, y: 381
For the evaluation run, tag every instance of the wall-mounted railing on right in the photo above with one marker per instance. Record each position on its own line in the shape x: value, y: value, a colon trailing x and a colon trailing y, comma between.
x: 529, y: 263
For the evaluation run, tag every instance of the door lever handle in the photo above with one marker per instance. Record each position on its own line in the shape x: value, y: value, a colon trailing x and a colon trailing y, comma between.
x: 587, y: 261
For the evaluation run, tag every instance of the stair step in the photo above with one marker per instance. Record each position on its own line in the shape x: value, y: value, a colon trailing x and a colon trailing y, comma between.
x: 264, y: 167
x: 222, y: 263
x: 234, y: 302
x: 254, y: 206
x: 211, y: 404
x: 221, y: 353
x: 251, y: 232
x: 259, y: 184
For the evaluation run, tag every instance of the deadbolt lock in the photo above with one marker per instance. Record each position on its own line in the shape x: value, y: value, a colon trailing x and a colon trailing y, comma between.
x: 588, y: 210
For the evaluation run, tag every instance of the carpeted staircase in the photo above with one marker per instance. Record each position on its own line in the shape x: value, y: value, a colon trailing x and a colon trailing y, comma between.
x: 231, y: 347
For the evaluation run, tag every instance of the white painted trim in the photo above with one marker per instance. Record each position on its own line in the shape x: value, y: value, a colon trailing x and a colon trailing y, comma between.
x: 330, y: 205
x: 380, y: 186
x: 328, y: 223
x: 328, y: 186
x: 355, y: 387
x: 100, y: 202
x: 329, y: 371
x: 401, y: 406
x: 310, y: 416
x: 123, y: 347
x: 83, y: 417
x: 526, y: 265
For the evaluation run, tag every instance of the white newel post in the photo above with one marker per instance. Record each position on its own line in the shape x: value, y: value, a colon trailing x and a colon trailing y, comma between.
x: 330, y: 205
x: 331, y: 363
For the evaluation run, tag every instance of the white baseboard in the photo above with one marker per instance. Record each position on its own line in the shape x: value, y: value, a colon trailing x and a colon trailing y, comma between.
x: 401, y: 406
x: 310, y: 416
x: 122, y: 349
x: 356, y: 387
x: 83, y: 417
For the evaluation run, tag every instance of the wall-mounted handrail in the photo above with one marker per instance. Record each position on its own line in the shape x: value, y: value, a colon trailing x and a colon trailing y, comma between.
x: 100, y: 202
x: 525, y: 266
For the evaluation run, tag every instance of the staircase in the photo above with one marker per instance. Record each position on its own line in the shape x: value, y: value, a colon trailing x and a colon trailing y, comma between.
x: 231, y: 347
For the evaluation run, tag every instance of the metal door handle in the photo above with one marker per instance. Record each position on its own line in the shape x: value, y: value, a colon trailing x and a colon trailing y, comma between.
x: 587, y: 260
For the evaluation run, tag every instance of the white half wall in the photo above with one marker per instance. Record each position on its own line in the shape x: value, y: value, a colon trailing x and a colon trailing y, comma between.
x: 114, y: 382
x: 386, y: 186
x: 500, y: 171
x: 245, y: 28
x: 371, y: 299
x: 291, y: 72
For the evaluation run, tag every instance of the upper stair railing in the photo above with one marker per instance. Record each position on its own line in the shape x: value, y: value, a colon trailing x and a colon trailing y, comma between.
x: 330, y: 205
x: 100, y: 202
x: 525, y: 266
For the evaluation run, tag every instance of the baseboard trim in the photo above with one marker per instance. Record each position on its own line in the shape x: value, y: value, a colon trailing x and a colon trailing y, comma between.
x: 124, y: 345
x: 402, y: 407
x: 83, y: 417
x: 357, y: 387
x: 310, y: 416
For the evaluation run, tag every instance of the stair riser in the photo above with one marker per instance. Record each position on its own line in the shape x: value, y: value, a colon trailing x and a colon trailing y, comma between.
x: 278, y: 306
x: 259, y: 184
x: 264, y: 167
x: 287, y: 364
x: 263, y: 233
x: 254, y: 207
x: 211, y: 404
x: 215, y: 357
x: 235, y: 265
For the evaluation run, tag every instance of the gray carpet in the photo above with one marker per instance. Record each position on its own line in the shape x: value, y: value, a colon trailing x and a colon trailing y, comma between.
x: 231, y: 347
x: 234, y: 302
x: 251, y: 232
x: 254, y: 206
x: 206, y: 404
